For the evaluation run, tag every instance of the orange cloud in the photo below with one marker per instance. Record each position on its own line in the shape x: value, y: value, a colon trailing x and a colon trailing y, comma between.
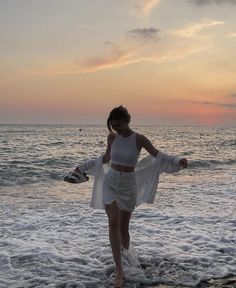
x: 148, y: 5
x: 140, y: 44
x: 192, y: 30
x: 87, y: 66
x: 133, y: 50
x: 141, y: 8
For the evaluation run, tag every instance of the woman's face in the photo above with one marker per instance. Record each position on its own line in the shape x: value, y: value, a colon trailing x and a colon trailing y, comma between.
x: 119, y: 126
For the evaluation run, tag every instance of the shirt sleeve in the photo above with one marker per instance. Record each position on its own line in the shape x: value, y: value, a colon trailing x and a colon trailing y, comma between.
x: 87, y: 166
x: 169, y: 163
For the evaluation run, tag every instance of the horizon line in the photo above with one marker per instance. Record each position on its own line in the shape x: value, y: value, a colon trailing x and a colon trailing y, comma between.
x: 100, y: 124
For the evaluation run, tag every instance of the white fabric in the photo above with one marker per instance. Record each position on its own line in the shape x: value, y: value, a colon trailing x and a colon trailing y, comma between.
x: 120, y: 187
x: 147, y: 174
x: 124, y: 150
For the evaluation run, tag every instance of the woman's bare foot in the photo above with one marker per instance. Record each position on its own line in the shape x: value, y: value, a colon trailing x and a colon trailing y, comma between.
x: 119, y: 280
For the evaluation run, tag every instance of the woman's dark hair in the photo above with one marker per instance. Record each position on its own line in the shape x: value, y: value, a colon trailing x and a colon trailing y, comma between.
x: 118, y: 113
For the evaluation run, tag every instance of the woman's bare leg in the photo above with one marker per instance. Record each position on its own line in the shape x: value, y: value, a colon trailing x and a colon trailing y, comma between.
x: 124, y: 228
x: 113, y: 213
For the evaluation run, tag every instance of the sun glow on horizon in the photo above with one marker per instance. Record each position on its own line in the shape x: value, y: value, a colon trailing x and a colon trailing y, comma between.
x: 79, y: 61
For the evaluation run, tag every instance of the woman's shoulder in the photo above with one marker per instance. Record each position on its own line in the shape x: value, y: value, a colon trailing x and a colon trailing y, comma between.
x: 139, y: 140
x: 139, y: 137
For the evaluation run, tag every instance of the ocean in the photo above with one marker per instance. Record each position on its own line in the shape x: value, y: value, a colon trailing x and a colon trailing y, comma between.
x: 50, y: 237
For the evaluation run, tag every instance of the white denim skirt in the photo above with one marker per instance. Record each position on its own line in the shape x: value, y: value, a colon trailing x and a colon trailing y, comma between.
x: 120, y: 187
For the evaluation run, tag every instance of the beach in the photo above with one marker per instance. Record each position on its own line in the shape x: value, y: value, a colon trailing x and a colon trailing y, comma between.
x: 50, y: 237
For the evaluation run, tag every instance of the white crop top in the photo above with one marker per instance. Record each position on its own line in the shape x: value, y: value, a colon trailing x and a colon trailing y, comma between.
x: 124, y: 150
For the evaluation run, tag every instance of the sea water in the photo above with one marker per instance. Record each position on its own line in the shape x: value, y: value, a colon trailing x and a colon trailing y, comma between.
x: 50, y: 237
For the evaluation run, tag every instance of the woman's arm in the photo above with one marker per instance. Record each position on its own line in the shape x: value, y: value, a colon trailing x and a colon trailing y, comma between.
x: 86, y: 166
x: 147, y: 145
x: 89, y: 165
x: 107, y: 157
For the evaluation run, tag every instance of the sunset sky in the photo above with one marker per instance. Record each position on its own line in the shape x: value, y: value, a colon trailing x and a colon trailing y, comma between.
x: 170, y: 62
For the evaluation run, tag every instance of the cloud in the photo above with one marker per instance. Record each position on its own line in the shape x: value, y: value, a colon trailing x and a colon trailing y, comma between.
x: 115, y: 57
x: 133, y: 52
x: 206, y: 2
x: 144, y: 34
x: 136, y: 45
x: 226, y: 105
x: 139, y: 8
x: 231, y: 35
x: 233, y: 95
x: 122, y: 57
x: 136, y: 48
x: 145, y: 6
x: 192, y: 29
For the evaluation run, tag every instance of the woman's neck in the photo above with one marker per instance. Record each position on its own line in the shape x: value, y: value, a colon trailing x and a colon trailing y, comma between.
x: 126, y: 133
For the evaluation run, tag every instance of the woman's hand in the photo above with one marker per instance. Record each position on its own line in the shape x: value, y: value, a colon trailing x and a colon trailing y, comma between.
x: 183, y: 162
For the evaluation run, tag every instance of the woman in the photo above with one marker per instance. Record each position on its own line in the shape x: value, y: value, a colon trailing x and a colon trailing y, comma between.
x: 119, y: 190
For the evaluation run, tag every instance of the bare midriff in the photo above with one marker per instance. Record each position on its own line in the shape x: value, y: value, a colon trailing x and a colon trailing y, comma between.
x: 122, y: 168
